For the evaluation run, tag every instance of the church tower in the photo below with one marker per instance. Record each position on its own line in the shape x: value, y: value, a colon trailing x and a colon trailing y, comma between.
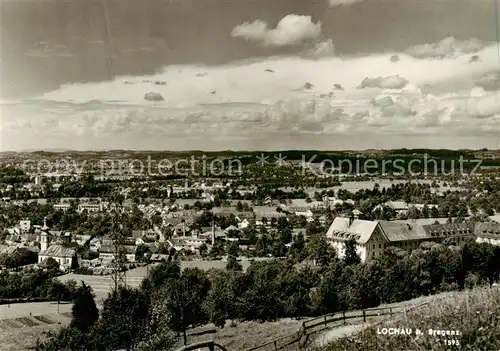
x: 44, y: 236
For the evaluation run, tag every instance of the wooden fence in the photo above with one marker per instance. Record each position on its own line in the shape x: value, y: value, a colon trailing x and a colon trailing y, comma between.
x: 318, y: 324
x: 211, y: 345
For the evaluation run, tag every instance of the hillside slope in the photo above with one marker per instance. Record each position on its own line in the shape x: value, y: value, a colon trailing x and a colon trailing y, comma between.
x: 473, y: 317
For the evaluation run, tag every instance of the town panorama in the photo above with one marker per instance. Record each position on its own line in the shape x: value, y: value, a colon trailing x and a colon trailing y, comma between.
x: 249, y: 175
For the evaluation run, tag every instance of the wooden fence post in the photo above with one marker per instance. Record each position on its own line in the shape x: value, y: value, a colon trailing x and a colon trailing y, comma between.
x: 324, y: 325
x: 364, y: 316
x: 343, y: 317
x: 390, y: 311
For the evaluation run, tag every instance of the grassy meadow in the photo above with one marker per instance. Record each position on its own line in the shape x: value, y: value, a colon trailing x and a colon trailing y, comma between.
x: 475, y: 314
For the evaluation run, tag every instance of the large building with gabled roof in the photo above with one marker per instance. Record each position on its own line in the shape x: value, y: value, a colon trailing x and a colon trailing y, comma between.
x: 373, y: 237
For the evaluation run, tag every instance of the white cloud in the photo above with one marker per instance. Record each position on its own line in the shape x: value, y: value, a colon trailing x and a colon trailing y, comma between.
x: 484, y: 106
x: 290, y: 30
x: 252, y: 31
x: 446, y: 48
x: 490, y: 81
x: 321, y: 49
x: 254, y: 103
x: 391, y: 82
x: 382, y: 101
x: 396, y: 110
x: 45, y: 49
x: 333, y: 3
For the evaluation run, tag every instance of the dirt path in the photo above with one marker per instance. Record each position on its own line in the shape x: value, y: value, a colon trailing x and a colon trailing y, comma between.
x: 328, y: 336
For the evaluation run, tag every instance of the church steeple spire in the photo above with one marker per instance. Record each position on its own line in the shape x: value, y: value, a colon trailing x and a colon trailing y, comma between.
x: 44, y: 236
x: 45, y: 227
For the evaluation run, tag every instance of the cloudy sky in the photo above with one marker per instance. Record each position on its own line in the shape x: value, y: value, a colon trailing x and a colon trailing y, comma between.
x: 249, y: 74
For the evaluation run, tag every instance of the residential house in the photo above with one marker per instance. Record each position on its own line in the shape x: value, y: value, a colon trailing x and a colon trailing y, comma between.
x: 322, y: 219
x: 95, y: 244
x: 90, y: 207
x: 232, y: 231
x: 209, y: 233
x: 107, y: 253
x: 62, y: 207
x: 302, y: 211
x: 242, y: 224
x: 420, y: 207
x: 398, y: 206
x: 13, y: 239
x: 316, y: 205
x: 332, y: 202
x: 25, y: 225
x: 207, y: 198
x: 186, y: 243
x: 297, y: 231
x: 264, y: 215
x: 158, y: 257
x: 487, y: 232
x: 81, y: 240
x: 9, y: 250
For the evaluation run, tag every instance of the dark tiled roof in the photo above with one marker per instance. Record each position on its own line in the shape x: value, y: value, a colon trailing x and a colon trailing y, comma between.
x: 129, y: 249
x: 450, y: 229
x: 487, y: 229
x: 57, y: 251
x: 403, y: 231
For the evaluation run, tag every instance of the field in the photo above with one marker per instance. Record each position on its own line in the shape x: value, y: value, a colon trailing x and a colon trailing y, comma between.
x: 369, y: 184
x: 19, y: 330
x: 101, y: 284
x: 470, y: 321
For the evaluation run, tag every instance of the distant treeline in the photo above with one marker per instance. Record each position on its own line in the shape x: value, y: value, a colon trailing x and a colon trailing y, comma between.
x: 290, y: 154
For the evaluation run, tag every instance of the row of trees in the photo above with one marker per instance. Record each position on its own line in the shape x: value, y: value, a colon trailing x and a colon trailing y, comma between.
x: 171, y: 299
x: 35, y: 284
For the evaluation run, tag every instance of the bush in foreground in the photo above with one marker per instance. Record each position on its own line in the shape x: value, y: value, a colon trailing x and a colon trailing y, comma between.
x: 474, y: 313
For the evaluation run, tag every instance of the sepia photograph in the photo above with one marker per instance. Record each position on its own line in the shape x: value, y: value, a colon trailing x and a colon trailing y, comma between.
x: 249, y: 175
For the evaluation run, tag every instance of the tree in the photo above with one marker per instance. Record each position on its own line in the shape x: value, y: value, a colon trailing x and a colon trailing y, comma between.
x: 220, y: 304
x: 434, y: 212
x: 123, y: 317
x: 160, y: 275
x: 320, y: 251
x: 298, y: 247
x: 261, y: 298
x: 203, y: 250
x: 325, y: 295
x: 52, y: 266
x: 67, y: 338
x: 233, y: 249
x: 216, y: 250
x: 156, y: 336
x: 239, y: 206
x: 351, y: 256
x: 183, y: 299
x: 84, y: 310
x: 74, y: 263
x: 141, y: 252
x: 233, y: 264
